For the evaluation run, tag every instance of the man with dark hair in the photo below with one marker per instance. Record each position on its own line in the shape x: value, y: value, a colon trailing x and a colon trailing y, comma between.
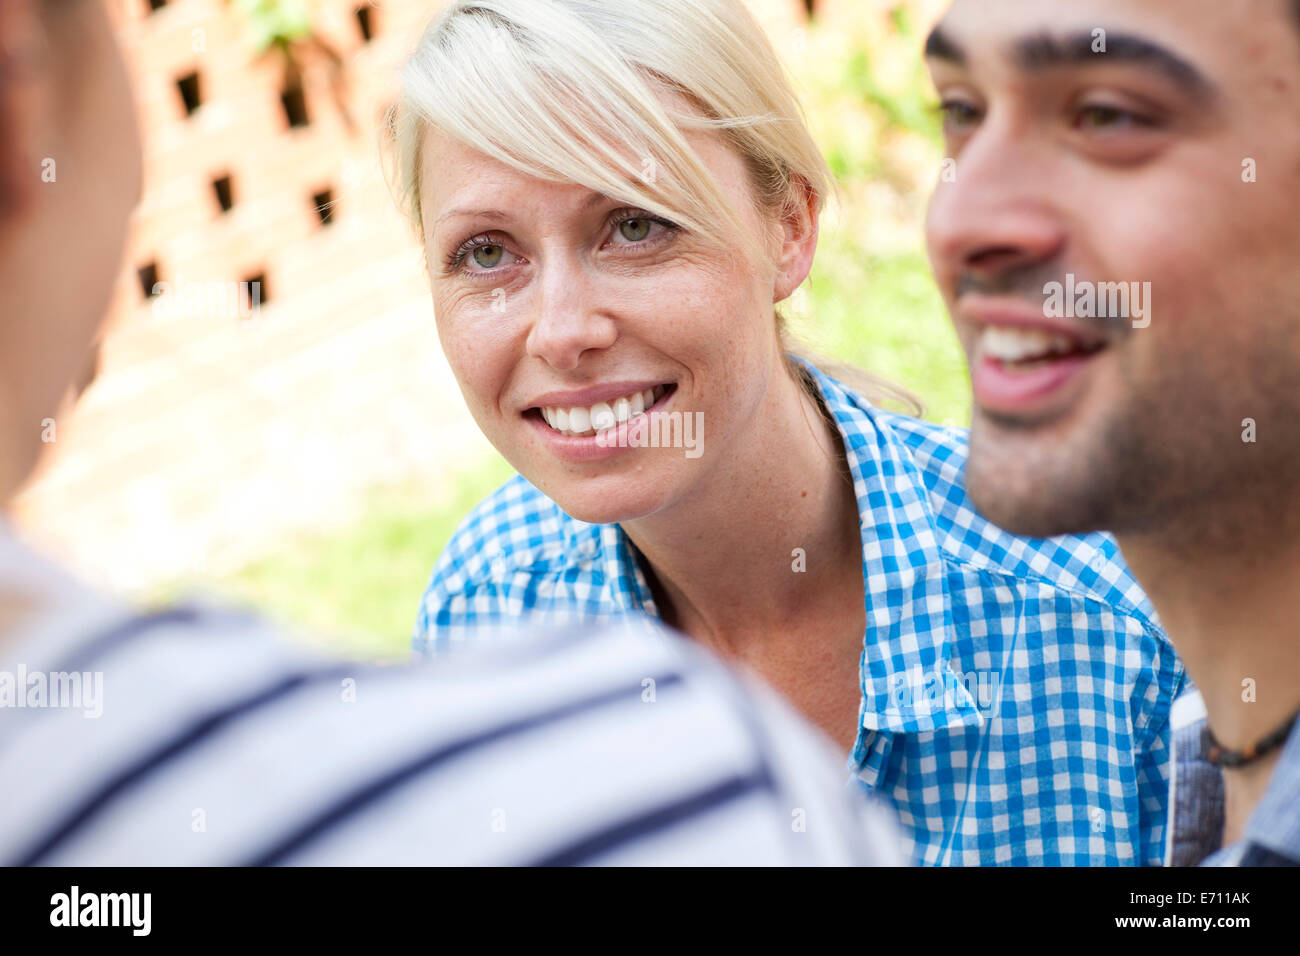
x: 1118, y: 250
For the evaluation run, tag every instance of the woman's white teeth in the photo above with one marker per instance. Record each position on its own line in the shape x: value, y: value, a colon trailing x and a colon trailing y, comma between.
x: 1020, y: 345
x: 602, y: 415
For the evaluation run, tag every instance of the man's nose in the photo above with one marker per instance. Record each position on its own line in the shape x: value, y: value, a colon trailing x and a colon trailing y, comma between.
x: 568, y: 318
x: 999, y: 211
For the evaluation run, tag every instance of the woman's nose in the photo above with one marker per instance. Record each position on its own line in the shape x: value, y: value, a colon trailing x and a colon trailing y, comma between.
x: 568, y: 319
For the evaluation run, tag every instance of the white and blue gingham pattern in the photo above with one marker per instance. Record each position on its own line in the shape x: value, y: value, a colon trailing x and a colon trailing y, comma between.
x: 1016, y: 691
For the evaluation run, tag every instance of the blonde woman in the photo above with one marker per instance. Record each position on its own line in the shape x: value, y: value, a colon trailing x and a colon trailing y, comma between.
x: 195, y: 705
x: 614, y: 196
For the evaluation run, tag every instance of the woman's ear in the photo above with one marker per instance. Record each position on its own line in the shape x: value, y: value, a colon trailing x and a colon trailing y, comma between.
x: 23, y: 52
x: 799, y: 224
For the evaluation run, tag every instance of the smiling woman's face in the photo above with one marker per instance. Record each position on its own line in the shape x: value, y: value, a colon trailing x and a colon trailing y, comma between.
x: 553, y: 298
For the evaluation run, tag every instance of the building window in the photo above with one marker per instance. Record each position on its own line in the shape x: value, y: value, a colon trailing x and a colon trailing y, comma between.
x: 366, y: 22
x: 188, y: 86
x: 148, y: 275
x: 295, y: 106
x: 224, y: 193
x: 254, y: 292
x: 324, y: 203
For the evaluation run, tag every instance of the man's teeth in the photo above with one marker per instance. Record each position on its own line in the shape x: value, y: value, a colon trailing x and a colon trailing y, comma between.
x: 1019, y: 345
x: 602, y: 415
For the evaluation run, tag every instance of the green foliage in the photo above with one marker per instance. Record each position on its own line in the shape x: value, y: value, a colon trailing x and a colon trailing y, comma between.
x: 871, y: 300
x: 276, y: 22
x: 360, y: 585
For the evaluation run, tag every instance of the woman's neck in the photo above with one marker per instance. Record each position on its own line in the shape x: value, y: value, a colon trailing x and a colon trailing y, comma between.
x: 773, y: 530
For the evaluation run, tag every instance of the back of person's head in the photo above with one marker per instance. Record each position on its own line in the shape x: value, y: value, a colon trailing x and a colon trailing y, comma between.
x: 69, y: 177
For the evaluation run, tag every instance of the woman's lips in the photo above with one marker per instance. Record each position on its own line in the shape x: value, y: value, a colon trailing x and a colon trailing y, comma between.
x: 581, y: 420
x: 595, y: 446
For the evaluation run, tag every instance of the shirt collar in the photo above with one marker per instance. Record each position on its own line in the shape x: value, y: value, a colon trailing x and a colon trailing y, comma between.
x: 625, y: 581
x: 907, y: 682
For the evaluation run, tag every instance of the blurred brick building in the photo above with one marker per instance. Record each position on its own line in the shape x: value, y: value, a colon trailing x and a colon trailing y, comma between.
x: 208, y: 429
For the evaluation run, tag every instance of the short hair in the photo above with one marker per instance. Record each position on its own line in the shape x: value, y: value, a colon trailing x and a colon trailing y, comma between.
x: 565, y: 91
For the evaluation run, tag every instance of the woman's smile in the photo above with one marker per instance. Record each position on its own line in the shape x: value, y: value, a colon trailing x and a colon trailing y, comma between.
x: 578, y: 429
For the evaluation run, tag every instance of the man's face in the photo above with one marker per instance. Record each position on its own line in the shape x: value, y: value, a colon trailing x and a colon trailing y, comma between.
x: 1141, y: 142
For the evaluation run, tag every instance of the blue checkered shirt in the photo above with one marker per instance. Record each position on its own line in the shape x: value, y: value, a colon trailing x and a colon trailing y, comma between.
x: 1015, y: 692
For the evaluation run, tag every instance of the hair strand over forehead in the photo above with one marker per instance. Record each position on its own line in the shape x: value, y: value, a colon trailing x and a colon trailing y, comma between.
x: 571, y: 91
x: 577, y: 91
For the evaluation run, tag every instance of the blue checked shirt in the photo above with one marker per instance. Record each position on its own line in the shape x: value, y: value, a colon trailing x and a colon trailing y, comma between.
x: 1016, y: 692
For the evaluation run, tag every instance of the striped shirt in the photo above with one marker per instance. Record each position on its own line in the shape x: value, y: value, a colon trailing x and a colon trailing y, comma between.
x: 1196, y: 802
x: 193, y: 736
x: 1015, y: 691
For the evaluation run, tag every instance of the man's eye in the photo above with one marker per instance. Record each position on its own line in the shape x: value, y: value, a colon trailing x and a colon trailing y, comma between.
x: 958, y: 114
x: 1100, y: 117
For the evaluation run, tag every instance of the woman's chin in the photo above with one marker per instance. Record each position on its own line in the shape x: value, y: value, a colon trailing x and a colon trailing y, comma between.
x: 619, y: 491
x: 607, y: 508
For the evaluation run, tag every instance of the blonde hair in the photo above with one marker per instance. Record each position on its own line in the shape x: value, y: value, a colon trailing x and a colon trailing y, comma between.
x: 565, y: 91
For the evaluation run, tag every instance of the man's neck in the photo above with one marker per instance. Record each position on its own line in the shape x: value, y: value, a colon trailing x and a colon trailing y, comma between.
x: 1231, y: 610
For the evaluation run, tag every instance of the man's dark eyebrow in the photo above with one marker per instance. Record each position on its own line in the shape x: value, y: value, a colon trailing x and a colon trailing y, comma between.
x: 1045, y: 51
x: 940, y: 46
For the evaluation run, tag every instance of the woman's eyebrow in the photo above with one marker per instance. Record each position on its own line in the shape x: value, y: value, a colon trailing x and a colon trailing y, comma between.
x: 1045, y: 51
x: 595, y: 199
x: 463, y: 211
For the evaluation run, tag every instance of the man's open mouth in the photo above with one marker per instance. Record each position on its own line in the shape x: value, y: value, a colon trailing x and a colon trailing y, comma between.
x: 1020, y: 349
x: 587, y: 420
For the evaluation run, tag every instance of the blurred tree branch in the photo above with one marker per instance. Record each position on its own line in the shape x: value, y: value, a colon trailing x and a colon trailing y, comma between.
x: 284, y: 27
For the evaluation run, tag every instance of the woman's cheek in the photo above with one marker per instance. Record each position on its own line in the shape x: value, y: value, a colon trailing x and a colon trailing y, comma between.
x: 479, y: 347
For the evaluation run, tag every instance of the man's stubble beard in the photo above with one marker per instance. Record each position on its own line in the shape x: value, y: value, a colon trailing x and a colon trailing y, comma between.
x: 1168, y: 463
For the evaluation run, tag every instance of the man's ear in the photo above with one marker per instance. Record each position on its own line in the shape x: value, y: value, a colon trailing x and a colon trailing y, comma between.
x: 24, y: 92
x: 799, y: 224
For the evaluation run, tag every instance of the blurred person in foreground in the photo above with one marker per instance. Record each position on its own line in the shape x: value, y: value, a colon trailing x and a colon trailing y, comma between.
x: 1119, y: 252
x: 192, y: 736
x: 614, y: 196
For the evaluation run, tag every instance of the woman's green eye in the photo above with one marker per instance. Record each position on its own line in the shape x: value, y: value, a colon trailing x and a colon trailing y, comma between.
x: 488, y: 257
x: 634, y: 230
